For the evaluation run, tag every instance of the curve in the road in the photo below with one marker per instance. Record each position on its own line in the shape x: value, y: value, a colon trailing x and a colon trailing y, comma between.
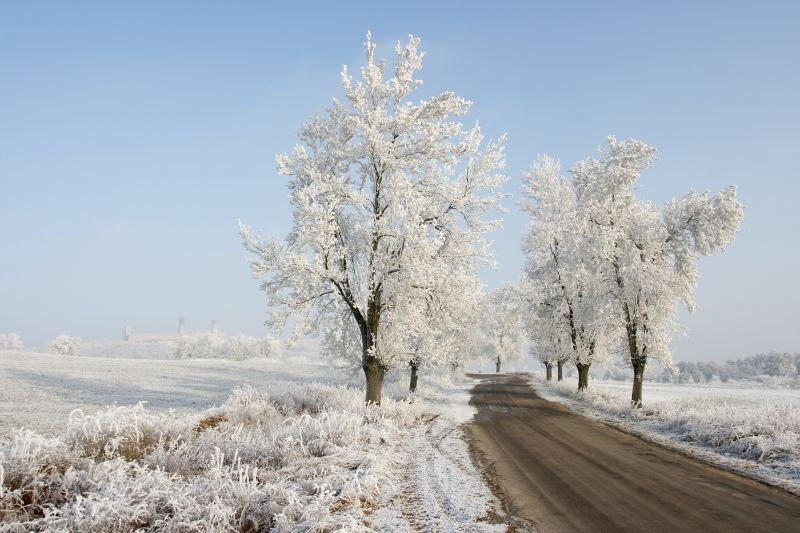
x: 565, y: 472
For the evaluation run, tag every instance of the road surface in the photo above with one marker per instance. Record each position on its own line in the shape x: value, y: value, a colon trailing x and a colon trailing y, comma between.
x: 559, y: 471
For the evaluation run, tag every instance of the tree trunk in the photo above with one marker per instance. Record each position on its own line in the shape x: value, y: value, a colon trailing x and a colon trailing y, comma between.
x: 549, y: 367
x: 414, y: 367
x: 497, y: 369
x: 638, y: 378
x: 638, y: 359
x: 373, y: 372
x: 583, y: 376
x: 560, y: 370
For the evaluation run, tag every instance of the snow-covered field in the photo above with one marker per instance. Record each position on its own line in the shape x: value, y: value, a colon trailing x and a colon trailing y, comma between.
x: 228, y: 446
x: 752, y: 430
x: 40, y: 390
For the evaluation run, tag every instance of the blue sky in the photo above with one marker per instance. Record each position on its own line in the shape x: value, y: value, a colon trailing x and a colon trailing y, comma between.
x: 132, y: 139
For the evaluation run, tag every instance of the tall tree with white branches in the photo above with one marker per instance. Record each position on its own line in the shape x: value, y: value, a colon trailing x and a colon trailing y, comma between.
x: 443, y: 337
x: 388, y: 194
x: 649, y: 255
x: 567, y: 310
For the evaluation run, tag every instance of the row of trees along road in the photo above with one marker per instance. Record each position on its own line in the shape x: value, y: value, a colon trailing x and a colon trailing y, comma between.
x: 605, y: 270
x: 392, y: 202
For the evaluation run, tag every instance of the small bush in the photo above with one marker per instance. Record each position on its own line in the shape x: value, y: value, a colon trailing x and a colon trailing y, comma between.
x: 65, y: 345
x: 221, y: 346
x: 10, y: 341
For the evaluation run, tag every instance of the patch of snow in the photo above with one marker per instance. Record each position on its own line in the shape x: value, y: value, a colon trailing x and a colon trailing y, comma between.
x: 441, y: 489
x: 40, y: 390
x: 450, y: 395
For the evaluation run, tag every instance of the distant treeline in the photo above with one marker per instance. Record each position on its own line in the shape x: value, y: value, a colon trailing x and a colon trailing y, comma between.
x: 761, y: 367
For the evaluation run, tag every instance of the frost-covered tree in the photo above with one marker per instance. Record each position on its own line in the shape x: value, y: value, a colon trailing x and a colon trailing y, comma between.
x: 649, y: 255
x: 545, y: 353
x: 567, y: 310
x: 270, y: 347
x: 388, y: 194
x: 218, y: 345
x: 242, y: 347
x: 501, y: 326
x: 10, y: 341
x: 445, y: 336
x: 65, y: 345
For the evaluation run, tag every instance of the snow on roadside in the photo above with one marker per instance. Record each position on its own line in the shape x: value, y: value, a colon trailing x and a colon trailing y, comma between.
x: 449, y: 494
x: 441, y: 489
x: 287, y: 453
x: 755, y: 432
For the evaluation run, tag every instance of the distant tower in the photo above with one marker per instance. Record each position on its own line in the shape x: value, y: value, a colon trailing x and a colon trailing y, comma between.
x: 214, y: 326
x: 128, y: 331
x: 181, y: 326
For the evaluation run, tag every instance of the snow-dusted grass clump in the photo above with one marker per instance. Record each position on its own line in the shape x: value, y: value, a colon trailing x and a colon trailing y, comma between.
x: 294, y: 457
x: 753, y: 431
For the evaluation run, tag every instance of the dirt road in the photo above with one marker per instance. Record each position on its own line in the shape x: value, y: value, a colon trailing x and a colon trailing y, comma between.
x: 563, y: 472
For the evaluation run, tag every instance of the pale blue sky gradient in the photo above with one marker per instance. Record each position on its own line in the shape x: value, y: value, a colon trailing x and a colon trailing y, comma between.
x: 133, y: 137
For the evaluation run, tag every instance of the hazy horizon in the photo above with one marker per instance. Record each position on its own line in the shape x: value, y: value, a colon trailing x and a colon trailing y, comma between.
x: 135, y: 137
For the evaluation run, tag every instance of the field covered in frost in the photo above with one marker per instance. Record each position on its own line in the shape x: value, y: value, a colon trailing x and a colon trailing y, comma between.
x: 40, y: 390
x: 229, y: 446
x: 752, y: 430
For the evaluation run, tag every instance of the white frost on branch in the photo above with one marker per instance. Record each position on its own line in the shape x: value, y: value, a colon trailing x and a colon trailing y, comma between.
x: 606, y: 269
x: 567, y: 311
x: 649, y: 255
x: 390, y: 202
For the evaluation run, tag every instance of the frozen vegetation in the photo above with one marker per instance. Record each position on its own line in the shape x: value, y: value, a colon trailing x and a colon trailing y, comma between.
x: 393, y: 202
x: 771, y: 369
x: 288, y: 451
x: 10, y: 341
x: 605, y: 268
x: 200, y: 345
x: 752, y: 430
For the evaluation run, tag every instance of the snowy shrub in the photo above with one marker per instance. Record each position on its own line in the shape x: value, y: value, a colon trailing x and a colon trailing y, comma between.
x: 271, y: 347
x: 293, y: 458
x: 65, y: 345
x: 221, y: 346
x: 10, y: 341
x: 204, y: 346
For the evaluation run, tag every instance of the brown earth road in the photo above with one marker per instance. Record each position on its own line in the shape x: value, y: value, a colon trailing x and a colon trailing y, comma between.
x: 560, y: 471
